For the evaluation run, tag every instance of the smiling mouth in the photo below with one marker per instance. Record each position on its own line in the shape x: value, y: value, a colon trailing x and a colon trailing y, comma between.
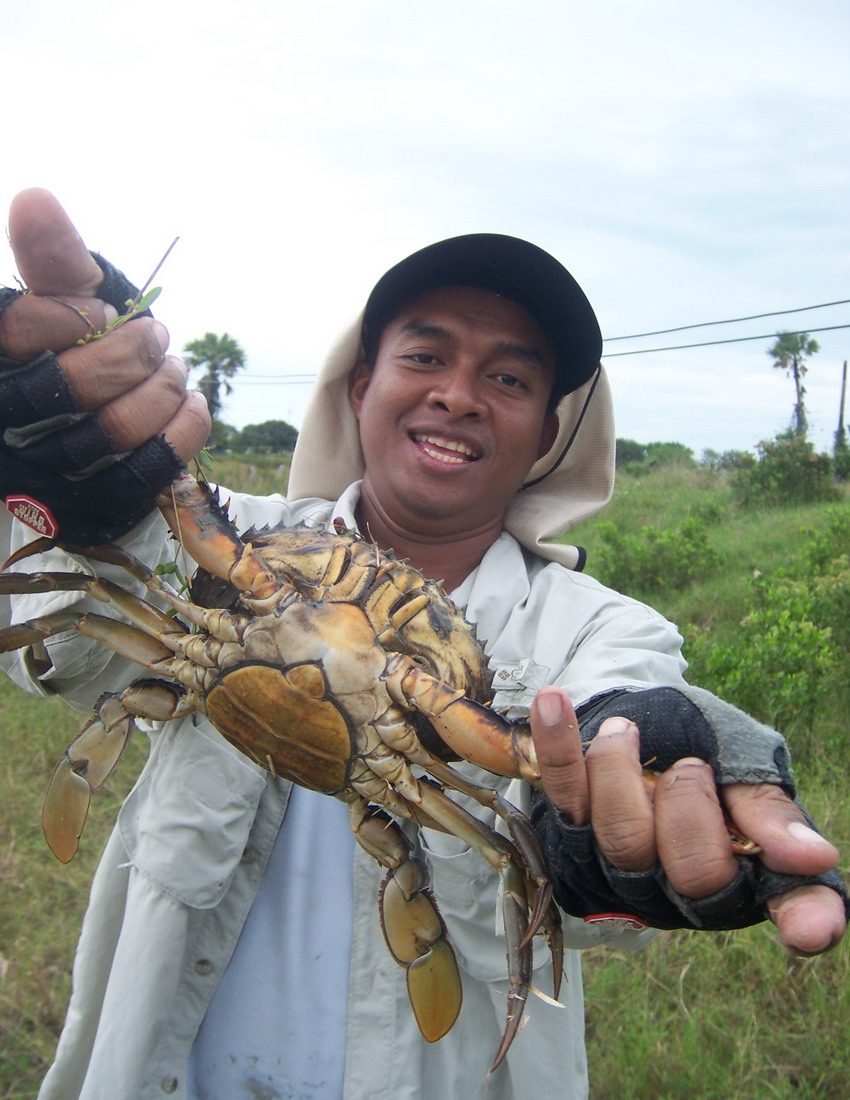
x: 450, y: 451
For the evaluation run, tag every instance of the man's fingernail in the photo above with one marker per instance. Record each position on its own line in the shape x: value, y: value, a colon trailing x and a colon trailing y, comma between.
x: 613, y: 726
x: 550, y: 708
x: 800, y: 831
x: 110, y: 314
x: 161, y: 334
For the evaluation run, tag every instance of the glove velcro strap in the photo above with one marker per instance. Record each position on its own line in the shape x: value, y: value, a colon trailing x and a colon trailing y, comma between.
x: 770, y: 883
x: 77, y: 445
x: 101, y: 507
x: 32, y: 392
x: 735, y: 906
x: 586, y: 883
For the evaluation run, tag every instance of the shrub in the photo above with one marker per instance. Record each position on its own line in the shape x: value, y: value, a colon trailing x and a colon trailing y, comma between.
x: 825, y: 561
x: 790, y: 665
x: 788, y: 471
x: 728, y: 460
x: 669, y: 454
x: 778, y: 668
x: 828, y: 551
x: 655, y: 559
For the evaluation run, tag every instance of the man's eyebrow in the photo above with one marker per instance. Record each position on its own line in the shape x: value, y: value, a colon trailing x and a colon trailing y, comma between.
x: 427, y: 330
x: 527, y: 352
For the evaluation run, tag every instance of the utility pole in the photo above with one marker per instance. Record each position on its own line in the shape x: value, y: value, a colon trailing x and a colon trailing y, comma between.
x: 840, y: 454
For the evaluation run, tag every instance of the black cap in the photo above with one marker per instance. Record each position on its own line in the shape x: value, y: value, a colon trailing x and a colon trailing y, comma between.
x: 507, y: 266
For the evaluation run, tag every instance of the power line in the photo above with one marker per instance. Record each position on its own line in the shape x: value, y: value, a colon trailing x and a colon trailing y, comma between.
x: 711, y: 343
x: 306, y: 379
x: 730, y: 321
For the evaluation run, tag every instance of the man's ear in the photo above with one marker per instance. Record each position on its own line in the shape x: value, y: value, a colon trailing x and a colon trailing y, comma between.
x: 548, y: 433
x: 358, y: 383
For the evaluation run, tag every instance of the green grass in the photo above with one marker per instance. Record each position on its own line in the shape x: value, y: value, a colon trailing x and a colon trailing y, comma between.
x: 41, y: 901
x: 719, y: 1016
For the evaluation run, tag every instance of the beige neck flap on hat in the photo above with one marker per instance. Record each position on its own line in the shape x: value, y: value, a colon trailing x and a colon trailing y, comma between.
x: 328, y: 458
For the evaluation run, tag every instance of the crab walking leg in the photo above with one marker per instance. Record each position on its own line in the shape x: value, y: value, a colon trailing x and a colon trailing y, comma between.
x: 545, y: 913
x: 85, y: 766
x: 413, y: 928
x: 139, y: 612
x: 94, y: 753
x: 499, y: 853
x: 408, y: 750
x: 481, y: 736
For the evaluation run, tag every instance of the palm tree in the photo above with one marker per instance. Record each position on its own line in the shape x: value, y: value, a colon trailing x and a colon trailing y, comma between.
x: 790, y: 353
x: 223, y: 357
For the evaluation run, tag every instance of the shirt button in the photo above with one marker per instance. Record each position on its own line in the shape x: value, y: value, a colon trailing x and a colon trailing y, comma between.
x: 203, y: 966
x: 168, y: 1085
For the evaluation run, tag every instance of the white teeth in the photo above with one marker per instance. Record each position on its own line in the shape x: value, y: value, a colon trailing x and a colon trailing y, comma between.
x: 446, y: 445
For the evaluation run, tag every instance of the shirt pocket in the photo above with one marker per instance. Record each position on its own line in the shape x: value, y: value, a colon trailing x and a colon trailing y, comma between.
x: 186, y: 822
x: 515, y: 684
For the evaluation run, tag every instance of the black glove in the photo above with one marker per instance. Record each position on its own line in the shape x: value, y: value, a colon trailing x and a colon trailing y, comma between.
x: 673, y: 723
x: 59, y: 470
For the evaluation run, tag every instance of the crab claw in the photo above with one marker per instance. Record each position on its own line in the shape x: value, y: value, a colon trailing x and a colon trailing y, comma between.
x: 194, y: 515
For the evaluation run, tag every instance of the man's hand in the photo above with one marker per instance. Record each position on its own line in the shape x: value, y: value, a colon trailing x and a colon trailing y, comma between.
x: 678, y: 820
x: 93, y: 423
x: 126, y: 377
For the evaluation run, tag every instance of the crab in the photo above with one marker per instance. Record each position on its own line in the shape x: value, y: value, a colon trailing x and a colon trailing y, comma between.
x: 338, y: 667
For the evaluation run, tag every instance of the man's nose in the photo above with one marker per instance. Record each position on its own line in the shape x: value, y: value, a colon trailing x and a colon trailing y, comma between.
x: 459, y: 393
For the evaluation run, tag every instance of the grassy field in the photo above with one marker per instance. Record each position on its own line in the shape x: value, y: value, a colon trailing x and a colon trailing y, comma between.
x: 724, y: 1016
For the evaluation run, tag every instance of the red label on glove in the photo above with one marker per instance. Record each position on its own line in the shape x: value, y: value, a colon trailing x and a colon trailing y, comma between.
x: 34, y: 514
x: 617, y: 921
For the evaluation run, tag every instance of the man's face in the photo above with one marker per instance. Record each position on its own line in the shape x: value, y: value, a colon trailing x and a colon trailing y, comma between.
x: 453, y: 415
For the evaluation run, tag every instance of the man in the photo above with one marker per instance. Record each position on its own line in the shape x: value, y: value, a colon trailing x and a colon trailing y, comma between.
x: 216, y: 960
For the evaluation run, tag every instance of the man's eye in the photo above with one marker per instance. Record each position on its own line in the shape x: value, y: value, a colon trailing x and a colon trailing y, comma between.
x: 509, y: 380
x: 423, y: 358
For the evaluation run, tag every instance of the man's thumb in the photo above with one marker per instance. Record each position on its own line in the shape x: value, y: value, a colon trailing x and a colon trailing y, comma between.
x: 50, y: 254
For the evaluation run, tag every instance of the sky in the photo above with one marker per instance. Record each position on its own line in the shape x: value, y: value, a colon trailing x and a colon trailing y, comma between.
x: 687, y: 162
